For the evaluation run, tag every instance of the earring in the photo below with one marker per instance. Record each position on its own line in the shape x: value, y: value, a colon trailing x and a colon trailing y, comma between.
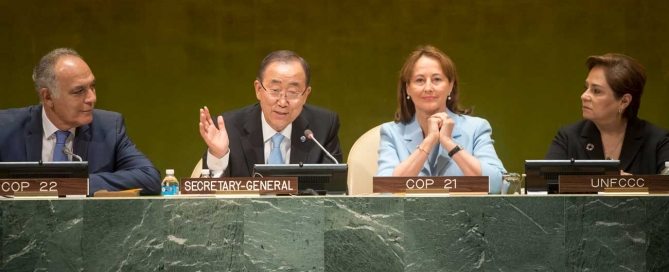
x: 449, y: 97
x: 620, y: 111
x: 408, y: 97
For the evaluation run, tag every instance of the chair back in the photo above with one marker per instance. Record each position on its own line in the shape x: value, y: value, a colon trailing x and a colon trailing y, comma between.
x: 363, y: 162
x: 197, y: 170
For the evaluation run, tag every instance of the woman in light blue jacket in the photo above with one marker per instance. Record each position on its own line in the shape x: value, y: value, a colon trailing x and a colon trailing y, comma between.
x: 431, y: 135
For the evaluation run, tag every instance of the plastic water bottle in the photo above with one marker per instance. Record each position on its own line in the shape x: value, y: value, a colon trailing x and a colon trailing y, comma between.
x: 205, y: 173
x: 170, y: 183
x: 665, y: 171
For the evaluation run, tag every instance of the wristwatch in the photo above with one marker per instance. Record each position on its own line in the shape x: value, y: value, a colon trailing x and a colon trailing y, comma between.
x: 456, y: 149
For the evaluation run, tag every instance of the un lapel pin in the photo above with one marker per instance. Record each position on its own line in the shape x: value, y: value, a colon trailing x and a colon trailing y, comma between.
x: 589, y: 147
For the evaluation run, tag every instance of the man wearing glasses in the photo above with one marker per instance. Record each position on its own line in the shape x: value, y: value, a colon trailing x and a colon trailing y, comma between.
x: 271, y: 131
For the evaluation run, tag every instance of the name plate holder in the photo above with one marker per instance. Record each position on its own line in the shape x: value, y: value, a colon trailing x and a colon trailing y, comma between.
x: 235, y: 186
x: 624, y: 191
x: 614, y: 184
x: 427, y: 191
x: 239, y: 193
x: 44, y: 187
x: 475, y: 185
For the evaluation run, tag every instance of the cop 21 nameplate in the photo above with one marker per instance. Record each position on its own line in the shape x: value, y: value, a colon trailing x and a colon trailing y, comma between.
x: 61, y: 186
x: 655, y: 184
x: 453, y: 184
x: 266, y: 185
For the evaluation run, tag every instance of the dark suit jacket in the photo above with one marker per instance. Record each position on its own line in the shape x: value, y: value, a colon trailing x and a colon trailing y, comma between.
x: 244, y: 127
x: 114, y: 163
x: 644, y: 150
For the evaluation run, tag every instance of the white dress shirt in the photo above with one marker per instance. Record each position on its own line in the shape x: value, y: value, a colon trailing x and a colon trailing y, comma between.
x: 218, y: 165
x: 49, y: 138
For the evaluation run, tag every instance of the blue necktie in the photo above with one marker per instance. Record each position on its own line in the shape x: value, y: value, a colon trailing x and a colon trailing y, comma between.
x: 275, y: 156
x: 58, y: 154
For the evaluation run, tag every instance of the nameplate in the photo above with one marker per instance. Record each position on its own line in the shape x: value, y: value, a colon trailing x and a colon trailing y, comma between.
x: 452, y: 184
x: 266, y: 185
x: 61, y: 186
x: 654, y: 184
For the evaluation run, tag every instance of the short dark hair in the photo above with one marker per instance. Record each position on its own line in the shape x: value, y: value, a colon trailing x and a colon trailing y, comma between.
x: 44, y: 75
x: 624, y: 75
x: 405, y: 108
x: 283, y: 56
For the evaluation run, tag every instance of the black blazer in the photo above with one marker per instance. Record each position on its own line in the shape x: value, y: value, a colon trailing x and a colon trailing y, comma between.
x: 244, y: 127
x: 114, y: 163
x: 644, y: 150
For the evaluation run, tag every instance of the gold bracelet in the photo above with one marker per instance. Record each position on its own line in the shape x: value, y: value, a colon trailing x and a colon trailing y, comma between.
x: 426, y: 153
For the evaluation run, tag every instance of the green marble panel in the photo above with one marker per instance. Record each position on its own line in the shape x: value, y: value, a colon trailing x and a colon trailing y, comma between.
x: 606, y: 234
x: 2, y: 237
x: 364, y: 234
x: 554, y: 233
x: 123, y: 235
x: 492, y: 233
x: 657, y: 223
x: 526, y: 233
x: 41, y: 235
x: 204, y: 234
x: 284, y: 234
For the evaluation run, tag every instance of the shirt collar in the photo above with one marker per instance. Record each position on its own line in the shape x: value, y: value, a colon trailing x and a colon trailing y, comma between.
x: 268, y: 132
x: 49, y: 128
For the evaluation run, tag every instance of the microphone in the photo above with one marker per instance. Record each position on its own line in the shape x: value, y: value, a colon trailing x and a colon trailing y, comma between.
x: 310, y: 136
x: 68, y: 152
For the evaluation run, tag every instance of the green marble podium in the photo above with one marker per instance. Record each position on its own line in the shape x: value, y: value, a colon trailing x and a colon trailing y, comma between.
x: 457, y: 233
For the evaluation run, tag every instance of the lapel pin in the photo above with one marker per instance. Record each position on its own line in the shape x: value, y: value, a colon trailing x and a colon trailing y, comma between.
x: 589, y: 147
x: 303, y: 139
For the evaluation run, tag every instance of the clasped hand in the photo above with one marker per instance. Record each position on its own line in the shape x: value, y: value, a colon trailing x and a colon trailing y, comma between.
x: 215, y: 137
x: 440, y: 129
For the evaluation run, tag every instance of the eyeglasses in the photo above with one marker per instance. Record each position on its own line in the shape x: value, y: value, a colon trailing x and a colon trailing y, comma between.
x: 292, y: 93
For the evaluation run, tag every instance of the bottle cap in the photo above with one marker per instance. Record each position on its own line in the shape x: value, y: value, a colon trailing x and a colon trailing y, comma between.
x: 169, y: 171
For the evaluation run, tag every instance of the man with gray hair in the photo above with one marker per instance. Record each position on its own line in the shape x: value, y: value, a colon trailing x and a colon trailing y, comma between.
x: 65, y: 122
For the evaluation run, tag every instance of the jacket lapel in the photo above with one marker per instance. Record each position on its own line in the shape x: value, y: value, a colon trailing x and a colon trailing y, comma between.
x: 33, y: 133
x: 299, y: 149
x: 591, y: 142
x: 81, y: 140
x: 252, y: 141
x: 413, y: 136
x: 443, y: 160
x: 632, y: 143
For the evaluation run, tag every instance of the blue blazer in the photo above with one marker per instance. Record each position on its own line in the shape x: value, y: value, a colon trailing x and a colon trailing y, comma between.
x: 399, y: 140
x: 114, y: 163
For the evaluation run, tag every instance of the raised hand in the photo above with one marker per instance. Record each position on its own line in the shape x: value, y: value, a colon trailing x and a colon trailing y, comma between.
x: 215, y: 138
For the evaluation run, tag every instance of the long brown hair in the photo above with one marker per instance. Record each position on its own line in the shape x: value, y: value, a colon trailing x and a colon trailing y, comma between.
x: 405, y: 107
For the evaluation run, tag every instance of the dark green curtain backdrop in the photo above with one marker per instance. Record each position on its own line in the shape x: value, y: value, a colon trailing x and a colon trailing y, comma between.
x: 521, y: 63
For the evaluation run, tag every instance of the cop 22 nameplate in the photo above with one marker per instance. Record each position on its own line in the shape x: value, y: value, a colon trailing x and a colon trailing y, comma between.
x: 62, y: 186
x: 454, y: 184
x: 594, y: 184
x: 266, y: 185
